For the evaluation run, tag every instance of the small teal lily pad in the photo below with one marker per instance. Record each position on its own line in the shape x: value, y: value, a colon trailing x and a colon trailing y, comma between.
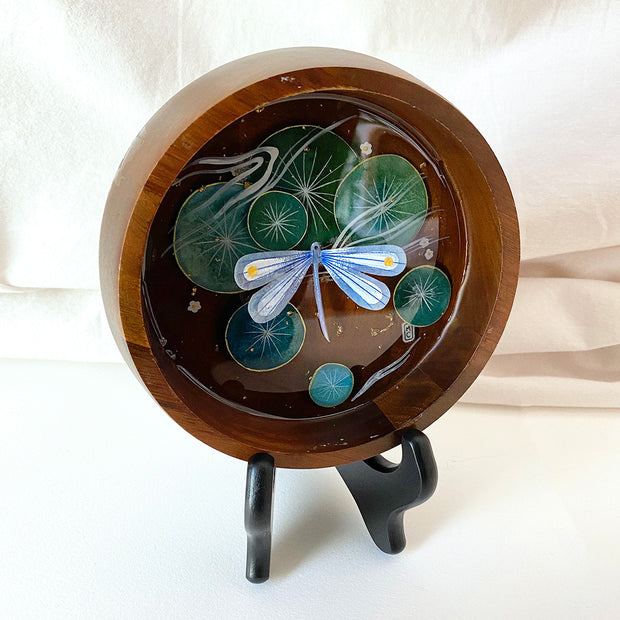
x: 211, y: 234
x: 277, y: 221
x: 331, y: 385
x: 382, y: 200
x: 265, y: 346
x: 315, y: 164
x: 422, y: 295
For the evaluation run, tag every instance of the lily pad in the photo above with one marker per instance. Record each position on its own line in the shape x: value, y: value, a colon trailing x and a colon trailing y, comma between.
x: 422, y: 295
x: 331, y: 385
x: 211, y: 234
x: 382, y: 200
x: 310, y: 165
x: 265, y: 346
x: 277, y: 221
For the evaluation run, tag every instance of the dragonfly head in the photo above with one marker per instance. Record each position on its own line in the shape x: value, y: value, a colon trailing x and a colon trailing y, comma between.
x: 315, y: 248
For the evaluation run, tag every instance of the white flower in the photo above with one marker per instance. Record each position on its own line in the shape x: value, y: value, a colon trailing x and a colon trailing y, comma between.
x: 194, y: 306
x: 428, y: 254
x: 366, y: 148
x: 424, y: 242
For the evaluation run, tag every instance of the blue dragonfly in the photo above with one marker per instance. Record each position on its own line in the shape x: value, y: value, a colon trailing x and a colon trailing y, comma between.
x: 279, y: 275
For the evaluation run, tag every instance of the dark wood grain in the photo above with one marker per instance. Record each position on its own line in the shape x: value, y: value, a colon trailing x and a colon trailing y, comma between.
x: 483, y: 265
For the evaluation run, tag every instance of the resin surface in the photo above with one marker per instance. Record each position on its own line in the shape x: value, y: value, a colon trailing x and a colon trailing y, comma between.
x: 302, y: 262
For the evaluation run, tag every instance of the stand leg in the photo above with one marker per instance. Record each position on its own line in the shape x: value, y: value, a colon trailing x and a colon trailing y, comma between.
x: 258, y: 516
x: 383, y: 490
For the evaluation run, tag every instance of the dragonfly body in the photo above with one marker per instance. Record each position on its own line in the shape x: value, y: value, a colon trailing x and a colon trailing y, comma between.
x: 316, y: 261
x: 279, y: 275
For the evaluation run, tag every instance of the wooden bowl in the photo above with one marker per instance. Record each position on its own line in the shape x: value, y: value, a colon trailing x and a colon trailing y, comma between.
x: 182, y: 357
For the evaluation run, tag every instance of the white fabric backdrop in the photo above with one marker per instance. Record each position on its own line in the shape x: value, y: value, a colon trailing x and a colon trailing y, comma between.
x: 540, y: 80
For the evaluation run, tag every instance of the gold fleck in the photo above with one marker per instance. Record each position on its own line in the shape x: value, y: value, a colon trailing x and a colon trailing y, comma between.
x: 390, y: 317
x: 423, y: 166
x: 259, y: 110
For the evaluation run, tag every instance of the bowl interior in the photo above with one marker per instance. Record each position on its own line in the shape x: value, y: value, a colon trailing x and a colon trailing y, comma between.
x: 398, y: 370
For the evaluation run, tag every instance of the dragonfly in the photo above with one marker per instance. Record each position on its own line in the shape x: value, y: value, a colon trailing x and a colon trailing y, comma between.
x: 279, y: 275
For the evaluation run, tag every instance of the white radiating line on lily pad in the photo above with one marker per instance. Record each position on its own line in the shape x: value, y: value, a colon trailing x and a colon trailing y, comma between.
x: 250, y: 162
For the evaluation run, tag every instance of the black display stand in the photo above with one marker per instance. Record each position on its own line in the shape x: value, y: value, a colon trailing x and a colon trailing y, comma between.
x: 382, y: 490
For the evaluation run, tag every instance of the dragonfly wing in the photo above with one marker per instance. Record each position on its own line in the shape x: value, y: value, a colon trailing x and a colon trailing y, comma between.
x: 362, y: 289
x: 281, y: 282
x: 380, y: 260
x: 267, y: 303
x: 349, y: 268
x: 255, y: 270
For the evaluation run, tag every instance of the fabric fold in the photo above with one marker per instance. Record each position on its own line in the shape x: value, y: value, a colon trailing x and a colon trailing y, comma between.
x: 55, y: 324
x: 562, y: 314
x: 540, y: 81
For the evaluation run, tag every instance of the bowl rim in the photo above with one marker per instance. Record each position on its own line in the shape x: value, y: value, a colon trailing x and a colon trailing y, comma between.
x: 136, y: 194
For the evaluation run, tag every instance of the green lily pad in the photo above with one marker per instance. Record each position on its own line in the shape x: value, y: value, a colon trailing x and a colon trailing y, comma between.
x: 265, y: 346
x: 315, y: 165
x: 331, y: 385
x: 422, y: 295
x: 277, y: 221
x: 210, y: 235
x: 382, y: 200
